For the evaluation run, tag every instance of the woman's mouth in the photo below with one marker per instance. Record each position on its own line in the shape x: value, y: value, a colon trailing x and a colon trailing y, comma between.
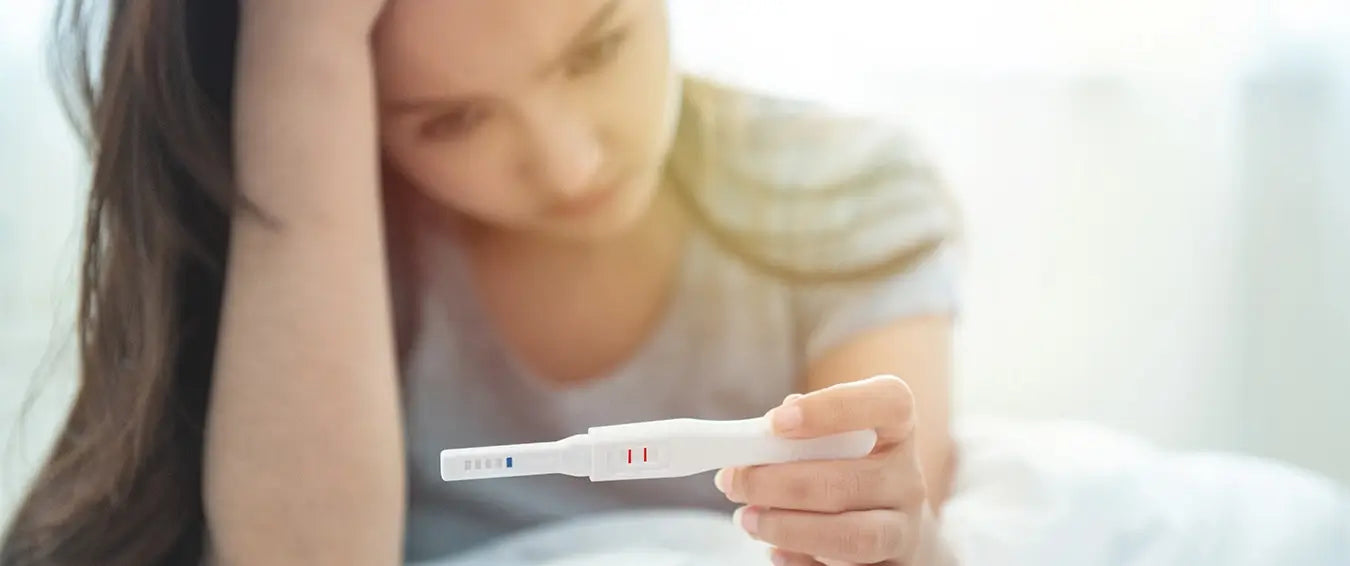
x: 586, y: 204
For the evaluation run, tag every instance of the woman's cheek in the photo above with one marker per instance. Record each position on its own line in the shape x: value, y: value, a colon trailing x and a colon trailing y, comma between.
x: 482, y: 189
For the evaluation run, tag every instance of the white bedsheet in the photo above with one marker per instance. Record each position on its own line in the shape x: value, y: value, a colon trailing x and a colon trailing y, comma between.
x: 1027, y: 494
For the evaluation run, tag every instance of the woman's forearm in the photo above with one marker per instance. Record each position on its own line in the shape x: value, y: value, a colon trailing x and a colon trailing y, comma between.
x: 304, y: 447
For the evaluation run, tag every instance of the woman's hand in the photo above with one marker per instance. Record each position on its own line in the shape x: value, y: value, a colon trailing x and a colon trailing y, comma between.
x: 872, y: 510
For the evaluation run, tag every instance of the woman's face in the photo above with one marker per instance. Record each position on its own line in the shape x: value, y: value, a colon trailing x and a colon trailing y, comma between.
x: 550, y: 117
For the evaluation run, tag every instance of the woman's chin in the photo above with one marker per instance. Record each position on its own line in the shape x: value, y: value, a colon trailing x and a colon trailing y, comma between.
x: 614, y: 216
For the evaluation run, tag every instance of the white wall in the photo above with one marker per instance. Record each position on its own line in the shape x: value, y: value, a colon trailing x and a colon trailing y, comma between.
x: 1295, y: 269
x: 39, y: 231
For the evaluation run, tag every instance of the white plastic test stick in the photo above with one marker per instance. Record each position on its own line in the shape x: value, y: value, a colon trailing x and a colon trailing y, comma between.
x: 655, y: 449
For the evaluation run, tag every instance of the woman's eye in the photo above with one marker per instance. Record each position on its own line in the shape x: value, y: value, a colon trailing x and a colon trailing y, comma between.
x: 596, y: 54
x: 454, y: 123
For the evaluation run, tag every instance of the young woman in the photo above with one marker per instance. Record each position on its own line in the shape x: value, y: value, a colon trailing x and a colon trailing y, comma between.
x: 329, y: 238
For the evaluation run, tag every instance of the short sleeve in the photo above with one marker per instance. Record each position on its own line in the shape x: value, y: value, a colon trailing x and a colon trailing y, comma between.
x: 849, y: 205
x: 830, y: 314
x: 861, y: 192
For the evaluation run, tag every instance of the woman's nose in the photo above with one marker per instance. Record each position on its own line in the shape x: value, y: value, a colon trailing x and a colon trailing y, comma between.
x: 566, y: 157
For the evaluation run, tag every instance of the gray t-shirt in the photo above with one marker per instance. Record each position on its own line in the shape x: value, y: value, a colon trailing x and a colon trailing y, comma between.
x: 733, y: 343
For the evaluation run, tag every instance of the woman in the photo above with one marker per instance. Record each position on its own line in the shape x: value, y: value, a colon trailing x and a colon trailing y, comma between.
x: 329, y: 238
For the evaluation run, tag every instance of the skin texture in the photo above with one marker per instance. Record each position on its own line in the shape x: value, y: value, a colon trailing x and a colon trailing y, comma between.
x: 288, y: 480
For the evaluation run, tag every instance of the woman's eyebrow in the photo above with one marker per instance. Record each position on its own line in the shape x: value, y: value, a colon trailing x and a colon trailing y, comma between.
x: 419, y: 105
x: 593, y: 26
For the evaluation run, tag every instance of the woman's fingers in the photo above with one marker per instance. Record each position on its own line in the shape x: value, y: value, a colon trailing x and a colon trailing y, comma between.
x: 781, y: 557
x: 882, y: 403
x: 827, y: 486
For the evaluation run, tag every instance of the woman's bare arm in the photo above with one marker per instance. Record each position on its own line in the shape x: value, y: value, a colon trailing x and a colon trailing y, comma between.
x: 304, y: 461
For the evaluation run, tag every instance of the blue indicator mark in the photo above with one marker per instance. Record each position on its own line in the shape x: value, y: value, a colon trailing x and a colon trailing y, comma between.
x: 508, y: 461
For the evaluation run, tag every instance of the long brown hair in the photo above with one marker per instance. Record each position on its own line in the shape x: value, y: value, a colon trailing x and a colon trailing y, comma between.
x: 122, y: 485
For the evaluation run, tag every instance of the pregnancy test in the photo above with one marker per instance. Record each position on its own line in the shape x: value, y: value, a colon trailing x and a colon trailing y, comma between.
x: 653, y: 449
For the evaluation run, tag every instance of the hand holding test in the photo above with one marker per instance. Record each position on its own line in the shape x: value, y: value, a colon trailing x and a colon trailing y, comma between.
x: 653, y: 449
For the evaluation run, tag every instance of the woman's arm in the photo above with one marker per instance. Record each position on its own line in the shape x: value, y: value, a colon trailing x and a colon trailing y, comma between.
x: 304, y: 459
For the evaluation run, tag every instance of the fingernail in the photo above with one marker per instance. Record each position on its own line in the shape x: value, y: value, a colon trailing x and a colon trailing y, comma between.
x: 723, y: 481
x: 787, y: 417
x: 748, y: 519
x: 791, y: 397
x: 777, y: 557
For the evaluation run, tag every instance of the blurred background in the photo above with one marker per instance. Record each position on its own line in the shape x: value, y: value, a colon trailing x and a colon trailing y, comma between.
x: 1157, y: 198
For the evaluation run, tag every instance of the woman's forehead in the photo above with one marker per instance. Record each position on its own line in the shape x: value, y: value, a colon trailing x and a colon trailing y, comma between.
x: 479, y: 44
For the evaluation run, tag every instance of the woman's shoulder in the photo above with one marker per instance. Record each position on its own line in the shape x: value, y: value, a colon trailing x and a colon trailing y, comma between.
x: 790, y: 137
x: 840, y: 188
